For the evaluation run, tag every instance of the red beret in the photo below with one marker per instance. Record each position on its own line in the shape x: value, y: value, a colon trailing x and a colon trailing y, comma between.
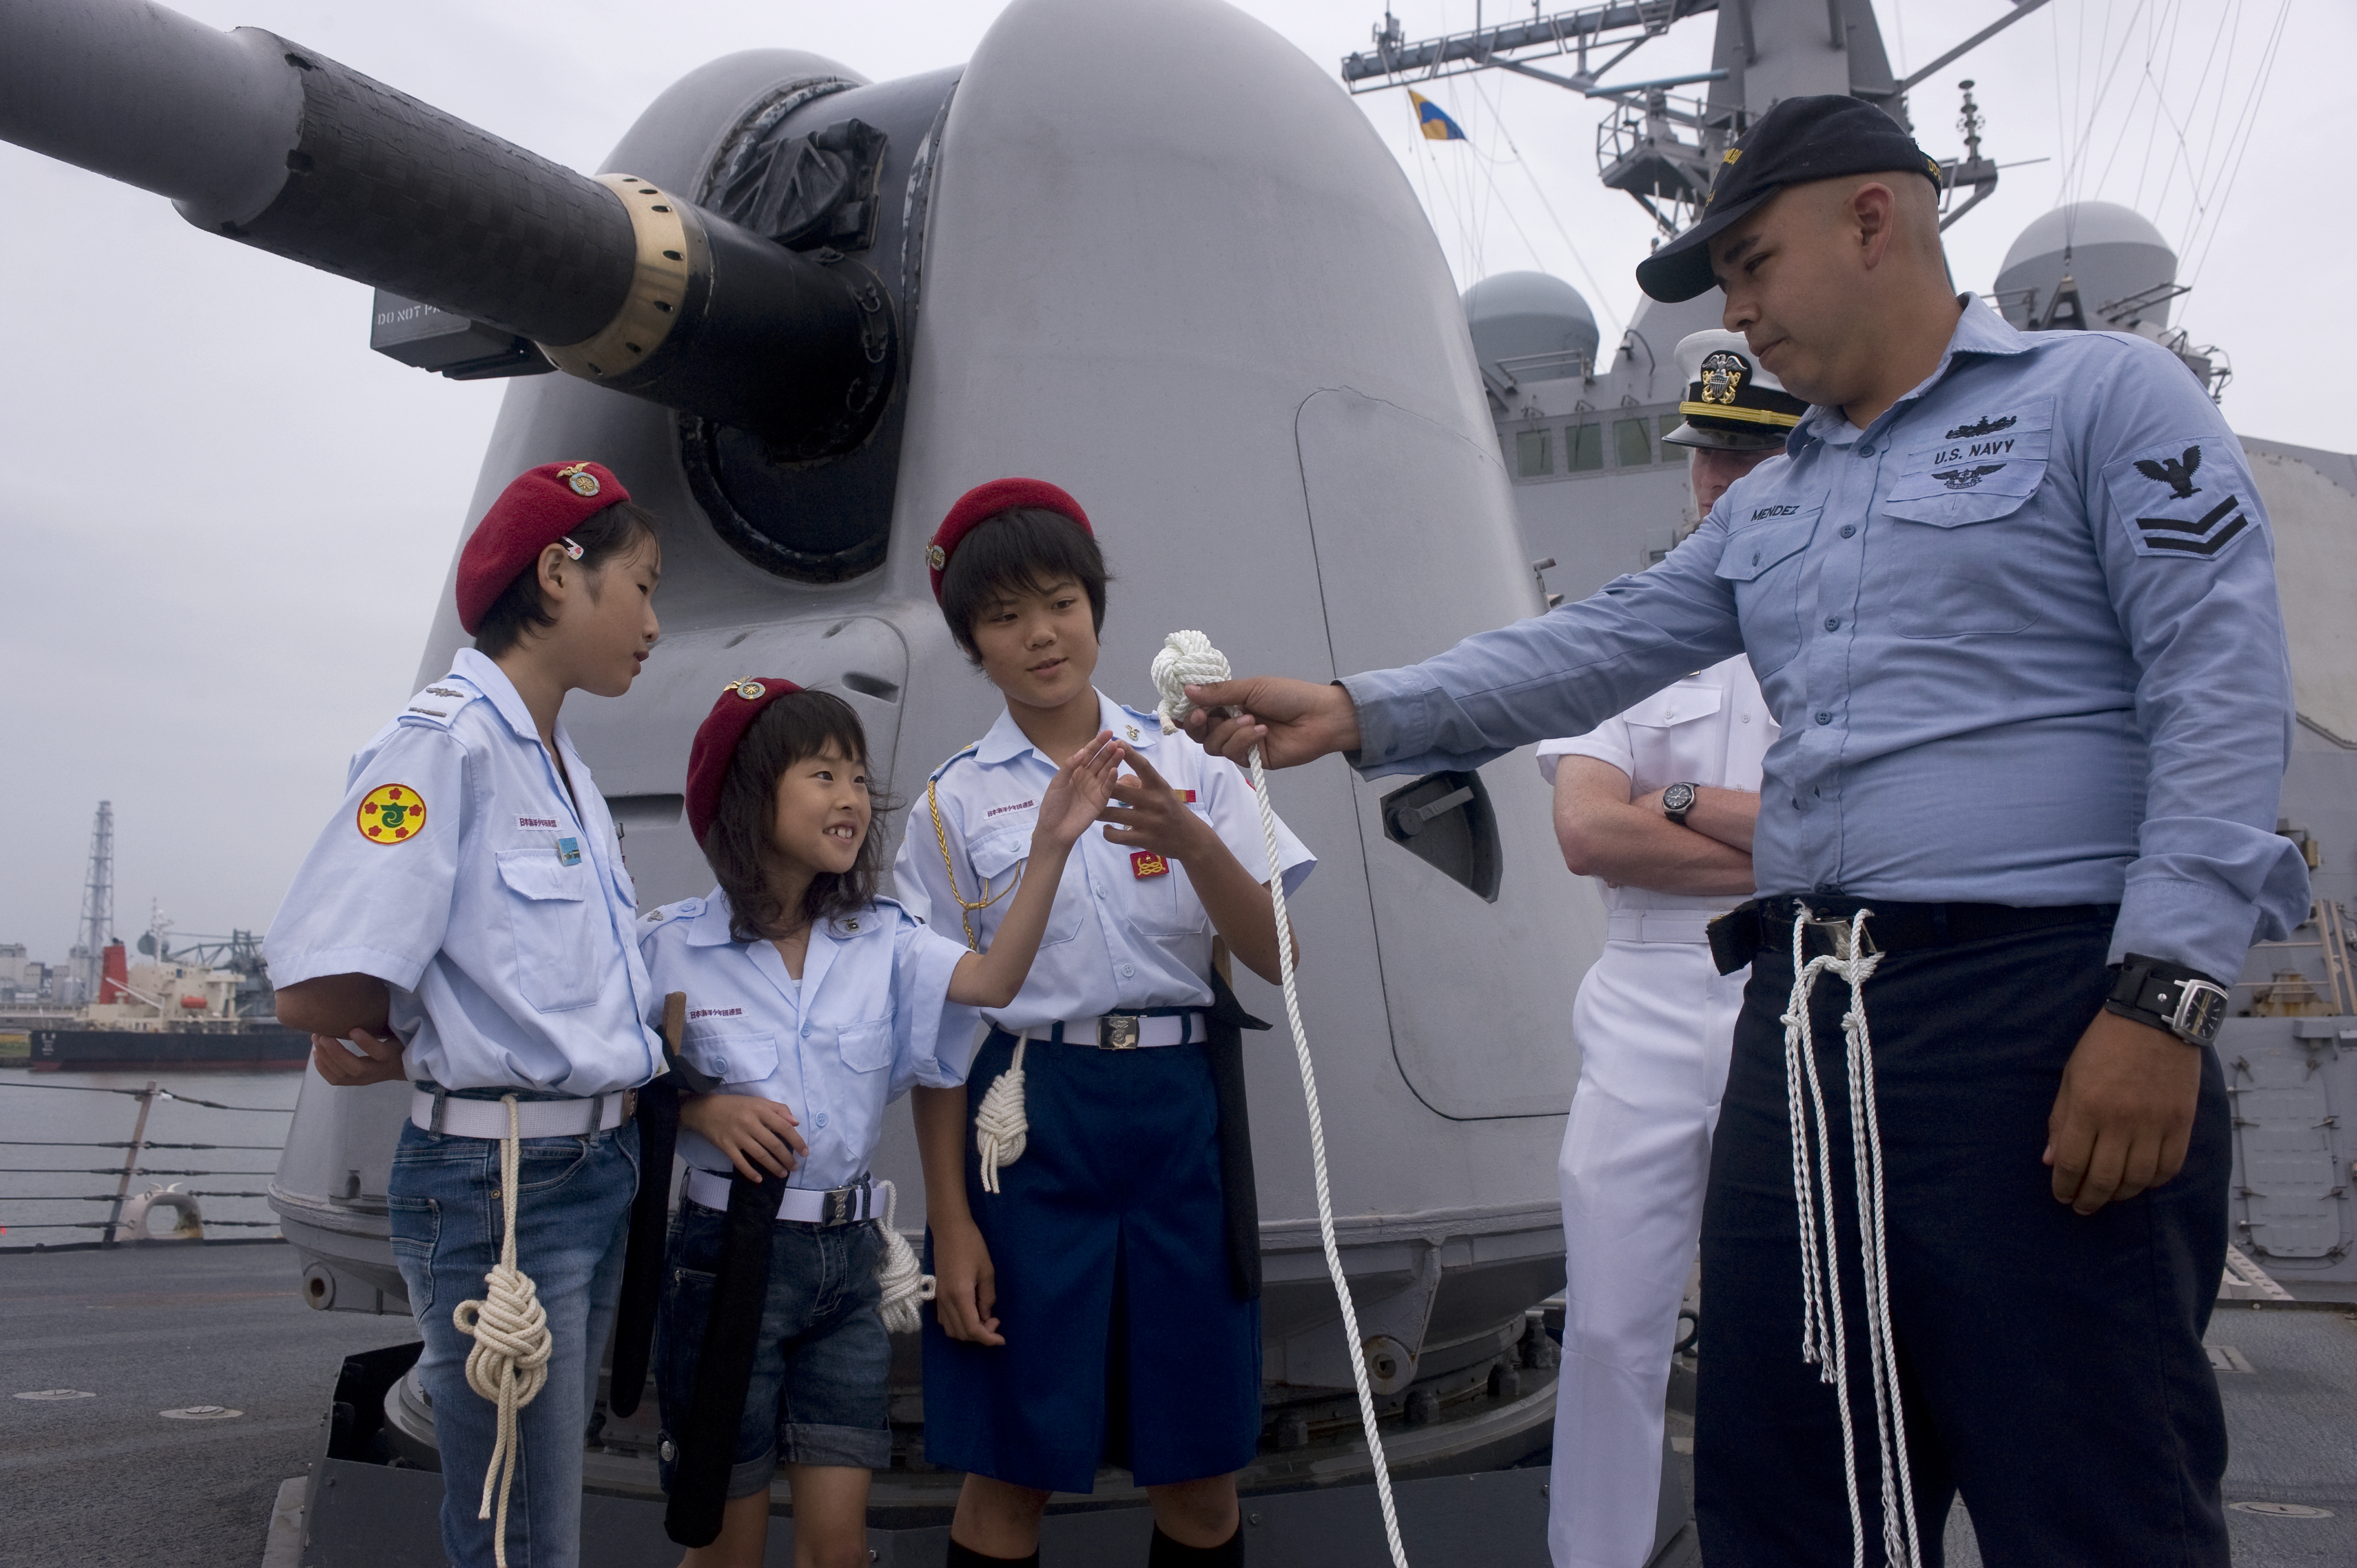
x: 715, y: 744
x: 537, y: 510
x: 984, y: 502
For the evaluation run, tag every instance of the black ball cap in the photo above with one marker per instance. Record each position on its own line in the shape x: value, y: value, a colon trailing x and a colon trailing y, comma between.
x: 1798, y: 140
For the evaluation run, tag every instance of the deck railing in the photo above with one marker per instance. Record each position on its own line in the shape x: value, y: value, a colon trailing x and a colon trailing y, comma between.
x: 132, y: 1165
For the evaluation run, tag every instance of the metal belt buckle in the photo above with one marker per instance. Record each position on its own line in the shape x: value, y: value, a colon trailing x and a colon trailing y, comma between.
x: 1835, y: 929
x: 843, y: 1206
x: 1117, y: 1032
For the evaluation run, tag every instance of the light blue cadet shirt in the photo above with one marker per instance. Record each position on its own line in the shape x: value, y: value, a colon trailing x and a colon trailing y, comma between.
x: 1127, y: 932
x: 2021, y: 633
x: 459, y: 871
x: 870, y: 1018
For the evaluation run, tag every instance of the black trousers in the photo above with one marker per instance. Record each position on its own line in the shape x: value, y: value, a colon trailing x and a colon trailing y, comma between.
x: 2052, y: 1365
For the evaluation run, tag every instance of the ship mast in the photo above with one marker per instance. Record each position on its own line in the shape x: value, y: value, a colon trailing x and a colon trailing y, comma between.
x: 1662, y: 151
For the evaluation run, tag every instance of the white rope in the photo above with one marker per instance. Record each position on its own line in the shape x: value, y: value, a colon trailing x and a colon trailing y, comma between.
x: 1001, y: 1128
x: 1823, y: 1342
x: 904, y: 1284
x: 1189, y: 658
x: 509, y: 1364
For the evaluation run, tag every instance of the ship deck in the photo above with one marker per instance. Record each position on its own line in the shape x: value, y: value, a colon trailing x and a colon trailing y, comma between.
x: 110, y: 1479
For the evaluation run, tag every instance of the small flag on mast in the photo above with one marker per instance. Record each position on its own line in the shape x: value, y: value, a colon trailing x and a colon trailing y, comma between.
x: 1434, y: 120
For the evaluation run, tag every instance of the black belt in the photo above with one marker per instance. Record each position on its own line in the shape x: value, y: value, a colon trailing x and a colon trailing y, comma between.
x: 1766, y: 925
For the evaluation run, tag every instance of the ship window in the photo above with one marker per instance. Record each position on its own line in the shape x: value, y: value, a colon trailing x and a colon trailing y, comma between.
x: 1632, y: 444
x: 1533, y: 454
x: 1583, y: 447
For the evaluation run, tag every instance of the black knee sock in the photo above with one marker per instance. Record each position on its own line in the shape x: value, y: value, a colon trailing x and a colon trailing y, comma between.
x: 1168, y: 1553
x: 964, y: 1556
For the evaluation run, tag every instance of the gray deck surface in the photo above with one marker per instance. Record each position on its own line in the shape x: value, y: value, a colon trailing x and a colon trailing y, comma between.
x: 108, y: 1480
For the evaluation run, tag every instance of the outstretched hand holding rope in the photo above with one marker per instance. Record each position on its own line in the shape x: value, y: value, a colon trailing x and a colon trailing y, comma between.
x: 1188, y: 658
x: 509, y: 1365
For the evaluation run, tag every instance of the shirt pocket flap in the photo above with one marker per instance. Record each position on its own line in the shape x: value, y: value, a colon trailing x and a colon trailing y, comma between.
x: 538, y: 873
x: 865, y: 1047
x: 1680, y: 703
x: 1753, y: 550
x: 1975, y: 479
x: 996, y: 853
x: 734, y: 1058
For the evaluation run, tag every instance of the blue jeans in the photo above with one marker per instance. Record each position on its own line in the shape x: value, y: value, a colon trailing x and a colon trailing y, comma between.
x: 573, y: 1199
x: 821, y: 1389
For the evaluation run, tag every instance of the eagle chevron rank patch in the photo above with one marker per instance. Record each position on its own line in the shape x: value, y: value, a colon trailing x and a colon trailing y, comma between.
x: 2185, y: 500
x: 390, y: 814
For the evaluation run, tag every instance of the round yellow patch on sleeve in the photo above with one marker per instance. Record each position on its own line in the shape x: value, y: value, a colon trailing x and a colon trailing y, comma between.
x: 390, y: 814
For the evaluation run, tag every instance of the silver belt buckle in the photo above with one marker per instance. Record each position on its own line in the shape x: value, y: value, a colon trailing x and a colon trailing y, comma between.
x: 1835, y: 929
x: 843, y: 1206
x: 1117, y: 1032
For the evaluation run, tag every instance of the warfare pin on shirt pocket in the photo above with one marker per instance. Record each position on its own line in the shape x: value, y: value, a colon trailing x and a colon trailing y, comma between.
x: 1961, y: 569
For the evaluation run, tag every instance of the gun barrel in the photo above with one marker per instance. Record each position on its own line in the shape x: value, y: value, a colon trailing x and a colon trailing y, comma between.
x: 279, y: 148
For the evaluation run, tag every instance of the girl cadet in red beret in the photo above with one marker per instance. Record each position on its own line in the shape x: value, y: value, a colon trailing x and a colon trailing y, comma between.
x: 811, y: 1004
x: 1095, y: 1236
x: 466, y: 922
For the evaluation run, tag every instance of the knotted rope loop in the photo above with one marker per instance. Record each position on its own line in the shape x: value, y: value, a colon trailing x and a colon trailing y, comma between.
x: 904, y: 1284
x: 1001, y: 1128
x: 1823, y: 1342
x: 509, y: 1365
x: 1188, y: 658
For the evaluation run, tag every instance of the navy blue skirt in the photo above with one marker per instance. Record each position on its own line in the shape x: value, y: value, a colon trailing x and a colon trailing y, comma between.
x: 1125, y: 1342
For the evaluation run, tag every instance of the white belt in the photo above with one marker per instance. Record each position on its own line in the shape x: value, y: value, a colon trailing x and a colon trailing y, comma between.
x: 1121, y: 1031
x: 807, y: 1206
x: 1659, y: 925
x: 445, y: 1112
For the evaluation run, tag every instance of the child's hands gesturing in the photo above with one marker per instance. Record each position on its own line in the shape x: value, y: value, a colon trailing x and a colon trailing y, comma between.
x: 1149, y: 814
x: 1079, y: 791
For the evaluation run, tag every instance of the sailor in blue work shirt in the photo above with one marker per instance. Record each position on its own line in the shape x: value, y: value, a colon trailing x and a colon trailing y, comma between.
x: 2012, y: 599
x: 466, y: 922
x: 811, y: 1003
x: 1086, y: 1196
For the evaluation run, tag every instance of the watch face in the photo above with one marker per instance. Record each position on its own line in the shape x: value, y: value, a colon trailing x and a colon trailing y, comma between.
x: 1678, y: 798
x: 2200, y: 1014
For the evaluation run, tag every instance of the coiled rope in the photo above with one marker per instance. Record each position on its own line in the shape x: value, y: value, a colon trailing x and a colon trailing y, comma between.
x: 1188, y: 658
x: 509, y: 1365
x: 1001, y: 1127
x: 1823, y: 1343
x: 903, y: 1282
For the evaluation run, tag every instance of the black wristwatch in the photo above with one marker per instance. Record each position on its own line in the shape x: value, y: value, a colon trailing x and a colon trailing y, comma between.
x: 2168, y: 997
x: 1676, y: 802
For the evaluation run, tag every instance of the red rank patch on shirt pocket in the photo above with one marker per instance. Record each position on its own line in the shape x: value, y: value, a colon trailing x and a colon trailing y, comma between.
x: 1144, y: 862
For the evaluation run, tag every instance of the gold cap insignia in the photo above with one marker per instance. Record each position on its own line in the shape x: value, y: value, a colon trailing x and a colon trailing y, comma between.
x: 751, y: 691
x: 584, y: 483
x: 1732, y: 155
x: 1722, y: 374
x: 936, y: 557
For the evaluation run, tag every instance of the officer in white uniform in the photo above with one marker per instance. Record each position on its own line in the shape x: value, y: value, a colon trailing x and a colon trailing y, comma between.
x: 1658, y: 804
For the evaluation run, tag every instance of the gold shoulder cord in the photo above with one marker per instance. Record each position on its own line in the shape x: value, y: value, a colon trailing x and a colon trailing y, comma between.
x: 941, y: 837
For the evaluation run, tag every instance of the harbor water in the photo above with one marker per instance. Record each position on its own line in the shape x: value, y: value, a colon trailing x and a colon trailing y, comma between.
x: 64, y: 1135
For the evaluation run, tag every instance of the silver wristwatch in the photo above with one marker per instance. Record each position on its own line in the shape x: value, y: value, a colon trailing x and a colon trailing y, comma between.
x: 1677, y: 801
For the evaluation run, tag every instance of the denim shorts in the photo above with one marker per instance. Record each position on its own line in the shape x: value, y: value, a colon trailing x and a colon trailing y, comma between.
x: 822, y: 1371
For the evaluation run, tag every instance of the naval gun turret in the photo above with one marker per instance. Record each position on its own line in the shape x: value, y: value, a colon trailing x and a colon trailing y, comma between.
x: 1149, y: 251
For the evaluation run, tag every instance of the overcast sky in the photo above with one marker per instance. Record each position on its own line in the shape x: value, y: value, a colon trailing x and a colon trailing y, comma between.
x: 225, y: 521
